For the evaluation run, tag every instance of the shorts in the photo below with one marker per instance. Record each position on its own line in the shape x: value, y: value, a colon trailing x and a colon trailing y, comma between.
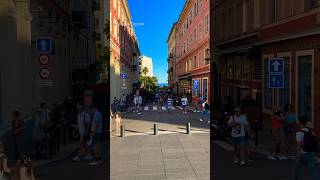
x: 184, y: 106
x: 239, y: 140
x: 96, y: 138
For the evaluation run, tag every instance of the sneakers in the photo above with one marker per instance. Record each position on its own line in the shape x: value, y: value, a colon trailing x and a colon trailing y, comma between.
x: 283, y: 158
x: 94, y: 163
x: 77, y: 159
x: 242, y: 163
x: 201, y: 120
x: 250, y: 160
x: 272, y: 157
x: 87, y: 157
x: 236, y: 160
x: 208, y: 121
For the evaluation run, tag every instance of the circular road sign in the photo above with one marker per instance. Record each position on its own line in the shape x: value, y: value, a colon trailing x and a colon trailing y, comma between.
x: 44, y: 73
x: 44, y: 59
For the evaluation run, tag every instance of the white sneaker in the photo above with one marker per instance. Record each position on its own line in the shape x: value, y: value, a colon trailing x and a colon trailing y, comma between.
x: 283, y: 158
x: 272, y: 157
x: 201, y: 120
x: 236, y: 160
x: 99, y: 161
x: 77, y: 158
x: 208, y: 121
x: 93, y: 163
x: 242, y: 163
x: 87, y: 157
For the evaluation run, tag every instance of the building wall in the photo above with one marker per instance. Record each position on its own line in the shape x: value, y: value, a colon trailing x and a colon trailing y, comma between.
x: 147, y: 62
x: 172, y: 58
x: 124, y: 49
x: 192, y: 46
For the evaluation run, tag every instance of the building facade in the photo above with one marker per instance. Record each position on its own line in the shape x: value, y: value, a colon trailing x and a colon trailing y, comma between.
x: 253, y: 31
x: 193, y: 50
x: 124, y: 50
x: 24, y: 81
x: 171, y: 41
x: 146, y: 62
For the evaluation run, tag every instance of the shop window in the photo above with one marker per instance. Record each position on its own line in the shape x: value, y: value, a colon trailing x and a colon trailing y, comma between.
x: 205, y: 88
x: 304, y: 87
x: 237, y: 67
x: 246, y: 70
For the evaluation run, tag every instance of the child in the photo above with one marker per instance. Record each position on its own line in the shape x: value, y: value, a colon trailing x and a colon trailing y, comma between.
x: 117, y: 121
x: 4, y: 169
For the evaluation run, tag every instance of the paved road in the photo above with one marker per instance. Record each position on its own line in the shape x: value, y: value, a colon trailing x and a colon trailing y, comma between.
x: 66, y: 169
x: 261, y: 168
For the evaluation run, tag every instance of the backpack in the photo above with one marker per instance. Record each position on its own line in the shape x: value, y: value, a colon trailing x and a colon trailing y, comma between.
x: 206, y: 106
x: 310, y: 143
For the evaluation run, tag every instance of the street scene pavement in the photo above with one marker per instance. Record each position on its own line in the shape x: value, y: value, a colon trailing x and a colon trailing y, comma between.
x: 172, y: 154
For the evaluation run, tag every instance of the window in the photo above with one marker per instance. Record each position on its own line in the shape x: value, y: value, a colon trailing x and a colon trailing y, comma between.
x: 272, y: 11
x: 207, y: 56
x: 205, y: 88
x: 190, y: 18
x: 245, y: 16
x: 190, y: 64
x: 195, y: 36
x: 246, y: 69
x: 310, y: 4
x: 207, y: 23
x: 195, y: 10
x: 230, y: 68
x: 304, y: 87
x: 283, y: 96
x: 195, y: 62
x: 187, y: 66
x: 200, y: 32
x: 237, y: 67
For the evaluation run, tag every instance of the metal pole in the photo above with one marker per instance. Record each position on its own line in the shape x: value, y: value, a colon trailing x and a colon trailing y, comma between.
x: 155, y: 129
x: 122, y: 130
x: 188, y: 128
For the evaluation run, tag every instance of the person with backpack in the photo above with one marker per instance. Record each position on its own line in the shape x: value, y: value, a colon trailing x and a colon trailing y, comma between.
x: 307, y: 146
x: 205, y: 112
x: 239, y: 123
x: 4, y: 168
x: 184, y: 104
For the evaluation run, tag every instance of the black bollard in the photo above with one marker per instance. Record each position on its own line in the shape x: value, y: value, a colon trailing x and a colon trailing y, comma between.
x: 122, y: 130
x: 155, y: 129
x: 256, y: 132
x: 188, y: 128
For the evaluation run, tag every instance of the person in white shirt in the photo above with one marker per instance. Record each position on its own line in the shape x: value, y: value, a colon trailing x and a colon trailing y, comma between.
x: 238, y: 122
x: 83, y: 121
x: 184, y: 104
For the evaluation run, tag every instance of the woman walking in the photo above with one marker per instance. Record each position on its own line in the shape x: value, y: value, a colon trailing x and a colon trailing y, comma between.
x: 117, y: 122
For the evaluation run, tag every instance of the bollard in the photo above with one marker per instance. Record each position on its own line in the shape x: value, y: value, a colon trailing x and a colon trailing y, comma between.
x: 122, y: 131
x: 155, y: 129
x: 188, y: 128
x: 256, y: 132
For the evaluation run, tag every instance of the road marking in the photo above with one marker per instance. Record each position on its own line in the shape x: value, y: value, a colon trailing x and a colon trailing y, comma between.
x: 146, y: 108
x: 173, y: 108
x: 164, y: 108
x: 154, y: 108
x: 224, y: 145
x: 179, y: 107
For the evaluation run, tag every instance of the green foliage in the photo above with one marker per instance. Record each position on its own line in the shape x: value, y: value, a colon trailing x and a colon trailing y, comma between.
x: 150, y: 83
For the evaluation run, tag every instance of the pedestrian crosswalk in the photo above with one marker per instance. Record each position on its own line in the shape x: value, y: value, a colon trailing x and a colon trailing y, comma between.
x: 161, y: 108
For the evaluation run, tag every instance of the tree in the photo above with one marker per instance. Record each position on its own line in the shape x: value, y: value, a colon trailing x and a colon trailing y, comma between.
x: 150, y: 82
x: 145, y: 71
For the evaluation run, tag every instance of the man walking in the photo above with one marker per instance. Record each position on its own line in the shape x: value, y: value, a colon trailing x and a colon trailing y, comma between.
x: 307, y: 146
x: 169, y: 103
x: 238, y: 123
x: 184, y: 103
x: 205, y: 112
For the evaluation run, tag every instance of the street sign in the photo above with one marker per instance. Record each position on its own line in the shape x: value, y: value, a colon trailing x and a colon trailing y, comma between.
x: 44, y: 59
x: 276, y: 65
x: 44, y: 44
x: 195, y: 84
x: 124, y: 75
x: 44, y: 73
x: 276, y: 81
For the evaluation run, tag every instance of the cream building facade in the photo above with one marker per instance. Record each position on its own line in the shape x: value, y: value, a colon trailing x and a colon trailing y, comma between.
x: 146, y: 62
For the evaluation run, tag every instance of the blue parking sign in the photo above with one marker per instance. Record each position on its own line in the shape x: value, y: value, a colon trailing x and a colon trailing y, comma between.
x: 276, y: 81
x: 276, y: 65
x: 44, y: 45
x: 195, y: 84
x: 124, y: 75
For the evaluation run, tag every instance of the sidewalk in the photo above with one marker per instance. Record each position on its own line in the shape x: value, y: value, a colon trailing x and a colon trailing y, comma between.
x: 171, y: 156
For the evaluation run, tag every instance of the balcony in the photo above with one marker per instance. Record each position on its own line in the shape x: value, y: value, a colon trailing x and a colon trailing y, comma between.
x: 79, y: 19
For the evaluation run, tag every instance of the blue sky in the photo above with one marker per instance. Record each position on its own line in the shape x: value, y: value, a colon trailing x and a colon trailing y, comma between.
x: 158, y: 17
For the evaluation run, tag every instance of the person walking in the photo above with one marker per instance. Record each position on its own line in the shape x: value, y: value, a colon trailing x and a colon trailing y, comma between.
x: 184, y: 104
x: 169, y: 103
x: 83, y: 122
x: 96, y: 134
x: 139, y: 103
x: 206, y: 111
x: 136, y: 102
x: 277, y: 130
x: 18, y: 127
x: 4, y: 168
x: 110, y: 120
x: 37, y: 134
x: 307, y: 146
x: 238, y: 123
x: 289, y: 126
x: 117, y: 119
